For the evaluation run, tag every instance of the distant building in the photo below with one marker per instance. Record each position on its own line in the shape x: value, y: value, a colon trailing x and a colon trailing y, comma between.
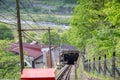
x: 35, y: 54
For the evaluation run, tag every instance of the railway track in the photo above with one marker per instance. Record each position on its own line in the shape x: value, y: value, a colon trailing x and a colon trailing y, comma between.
x: 65, y: 73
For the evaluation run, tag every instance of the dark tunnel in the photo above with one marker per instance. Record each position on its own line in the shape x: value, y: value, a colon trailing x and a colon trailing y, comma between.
x: 71, y: 58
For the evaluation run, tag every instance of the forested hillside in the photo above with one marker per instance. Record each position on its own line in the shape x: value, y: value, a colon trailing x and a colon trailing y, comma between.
x: 9, y: 62
x: 95, y: 27
x: 95, y: 30
x: 43, y: 6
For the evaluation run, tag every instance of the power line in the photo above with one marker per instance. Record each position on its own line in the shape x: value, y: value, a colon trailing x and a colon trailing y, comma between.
x: 33, y: 7
x: 7, y: 20
x: 30, y: 29
x: 26, y: 37
x: 10, y: 20
x: 4, y: 17
x: 29, y: 36
x: 6, y: 7
x: 8, y: 23
x: 29, y: 14
x: 34, y: 29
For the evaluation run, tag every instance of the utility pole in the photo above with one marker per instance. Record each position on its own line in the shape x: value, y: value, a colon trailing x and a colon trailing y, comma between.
x: 59, y: 51
x: 20, y: 35
x: 50, y: 47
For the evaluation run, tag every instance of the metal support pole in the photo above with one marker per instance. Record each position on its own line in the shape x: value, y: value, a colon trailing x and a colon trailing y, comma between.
x: 99, y: 65
x: 59, y: 52
x: 113, y: 65
x: 105, y: 65
x: 20, y: 35
x: 50, y: 47
x: 93, y: 64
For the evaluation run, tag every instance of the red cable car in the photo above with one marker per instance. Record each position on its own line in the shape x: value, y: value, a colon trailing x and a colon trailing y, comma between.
x: 38, y: 74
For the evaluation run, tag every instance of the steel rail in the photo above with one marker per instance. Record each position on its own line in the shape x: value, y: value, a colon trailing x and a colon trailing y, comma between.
x: 65, y: 73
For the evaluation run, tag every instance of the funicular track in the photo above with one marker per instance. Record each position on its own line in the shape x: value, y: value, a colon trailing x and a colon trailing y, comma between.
x: 65, y: 73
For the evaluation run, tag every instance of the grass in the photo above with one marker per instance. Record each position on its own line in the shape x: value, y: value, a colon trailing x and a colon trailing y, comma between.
x: 91, y: 74
x: 97, y: 76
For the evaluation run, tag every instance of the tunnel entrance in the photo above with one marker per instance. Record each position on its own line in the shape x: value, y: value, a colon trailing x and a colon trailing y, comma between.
x: 71, y: 61
x: 70, y: 58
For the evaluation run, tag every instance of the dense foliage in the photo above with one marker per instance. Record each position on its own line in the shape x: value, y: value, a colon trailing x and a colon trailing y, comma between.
x: 5, y: 32
x: 96, y: 27
x: 9, y: 62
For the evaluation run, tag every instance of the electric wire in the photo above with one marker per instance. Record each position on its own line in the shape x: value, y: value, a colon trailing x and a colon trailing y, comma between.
x: 34, y: 8
x: 12, y: 13
x: 8, y: 23
x: 28, y: 35
x: 7, y: 20
x: 6, y: 7
x: 29, y: 14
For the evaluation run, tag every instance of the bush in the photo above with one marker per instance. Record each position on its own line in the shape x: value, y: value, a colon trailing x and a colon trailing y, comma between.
x: 5, y: 32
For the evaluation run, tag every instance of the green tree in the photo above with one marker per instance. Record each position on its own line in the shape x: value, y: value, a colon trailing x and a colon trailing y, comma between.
x: 5, y: 32
x: 95, y: 26
x: 9, y: 68
x: 54, y: 38
x: 84, y: 22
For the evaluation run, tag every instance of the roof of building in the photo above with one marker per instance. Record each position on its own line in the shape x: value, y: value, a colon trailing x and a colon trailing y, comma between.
x: 67, y: 47
x: 29, y: 49
x: 38, y: 73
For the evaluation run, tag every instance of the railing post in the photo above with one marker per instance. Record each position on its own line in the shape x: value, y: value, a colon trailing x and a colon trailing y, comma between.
x: 99, y: 65
x: 113, y: 65
x: 105, y: 66
x: 84, y: 62
x: 89, y: 65
x: 93, y: 66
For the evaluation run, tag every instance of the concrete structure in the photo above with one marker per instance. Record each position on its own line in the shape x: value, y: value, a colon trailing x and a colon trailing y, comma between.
x: 58, y: 57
